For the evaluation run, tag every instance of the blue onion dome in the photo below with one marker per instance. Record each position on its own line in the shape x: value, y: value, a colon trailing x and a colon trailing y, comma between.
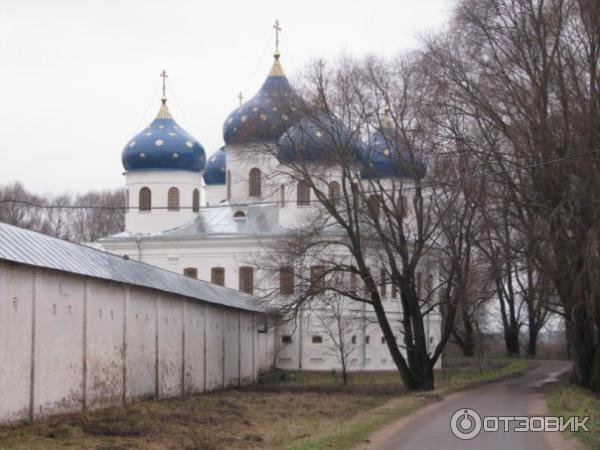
x: 215, y: 168
x: 265, y: 116
x: 163, y: 145
x: 321, y: 138
x: 386, y: 157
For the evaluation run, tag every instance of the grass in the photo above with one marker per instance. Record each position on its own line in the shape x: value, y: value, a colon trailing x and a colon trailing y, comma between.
x: 294, y: 410
x: 567, y: 400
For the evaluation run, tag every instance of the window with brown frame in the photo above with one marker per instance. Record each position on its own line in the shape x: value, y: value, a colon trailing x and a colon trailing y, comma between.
x: 254, y: 179
x: 402, y: 205
x: 239, y: 215
x: 287, y: 339
x: 317, y: 278
x: 303, y: 194
x: 145, y: 203
x: 217, y: 276
x: 191, y: 272
x: 353, y: 282
x: 286, y: 280
x: 317, y: 339
x: 196, y: 201
x: 334, y: 193
x: 394, y: 290
x: 173, y: 199
x: 419, y: 284
x: 247, y: 280
x: 375, y: 202
x: 228, y: 182
x: 282, y: 196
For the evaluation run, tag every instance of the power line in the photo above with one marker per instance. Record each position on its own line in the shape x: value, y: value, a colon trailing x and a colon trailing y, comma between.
x: 432, y: 185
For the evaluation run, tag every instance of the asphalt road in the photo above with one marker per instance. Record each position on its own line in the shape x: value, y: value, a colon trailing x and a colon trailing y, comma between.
x: 429, y: 429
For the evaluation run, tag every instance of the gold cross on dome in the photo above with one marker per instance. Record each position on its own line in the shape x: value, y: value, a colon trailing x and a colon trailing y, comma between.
x: 277, y: 30
x: 164, y: 77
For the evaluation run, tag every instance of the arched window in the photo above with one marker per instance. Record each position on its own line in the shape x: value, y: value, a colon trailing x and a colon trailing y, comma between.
x: 303, y: 194
x: 334, y: 192
x: 145, y: 203
x: 286, y: 280
x: 228, y: 178
x: 254, y: 179
x: 196, y: 201
x: 173, y: 199
x: 239, y: 215
x: 191, y: 272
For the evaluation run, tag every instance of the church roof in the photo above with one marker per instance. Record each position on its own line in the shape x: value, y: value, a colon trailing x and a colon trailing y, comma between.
x: 163, y: 145
x: 26, y: 247
x: 219, y: 222
x: 215, y: 168
x: 265, y: 116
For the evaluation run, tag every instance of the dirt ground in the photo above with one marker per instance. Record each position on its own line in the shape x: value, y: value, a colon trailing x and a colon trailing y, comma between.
x: 281, y: 410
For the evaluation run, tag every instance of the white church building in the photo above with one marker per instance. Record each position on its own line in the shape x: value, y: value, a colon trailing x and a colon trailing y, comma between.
x: 209, y: 219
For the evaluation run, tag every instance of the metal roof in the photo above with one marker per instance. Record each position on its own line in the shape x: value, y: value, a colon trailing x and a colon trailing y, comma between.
x: 260, y: 221
x: 34, y: 249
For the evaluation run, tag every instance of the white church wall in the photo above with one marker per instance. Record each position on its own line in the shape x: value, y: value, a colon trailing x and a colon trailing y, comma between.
x: 16, y: 297
x: 215, y: 194
x: 240, y: 160
x: 159, y: 182
x: 104, y: 344
x: 71, y: 343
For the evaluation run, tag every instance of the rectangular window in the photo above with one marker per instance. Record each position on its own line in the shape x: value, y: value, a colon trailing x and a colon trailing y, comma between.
x: 354, y: 339
x: 247, y: 280
x: 317, y: 278
x: 303, y: 194
x: 353, y: 283
x: 367, y: 340
x: 286, y: 280
x: 394, y: 290
x: 382, y: 341
x: 383, y: 281
x: 419, y: 284
x: 317, y: 339
x: 403, y: 206
x: 217, y: 276
x: 286, y: 339
x: 191, y: 272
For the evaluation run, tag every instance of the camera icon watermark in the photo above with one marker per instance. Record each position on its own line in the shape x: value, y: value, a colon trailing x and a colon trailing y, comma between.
x: 466, y: 424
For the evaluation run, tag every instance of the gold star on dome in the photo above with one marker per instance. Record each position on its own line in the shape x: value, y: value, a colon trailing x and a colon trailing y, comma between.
x: 318, y: 134
x: 244, y: 118
x: 386, y: 152
x: 263, y: 117
x: 142, y: 155
x: 148, y: 134
x: 175, y: 155
x: 132, y: 144
x: 172, y: 134
x: 190, y: 144
x: 159, y: 142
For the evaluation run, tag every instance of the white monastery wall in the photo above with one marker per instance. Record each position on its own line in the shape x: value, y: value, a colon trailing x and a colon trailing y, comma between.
x: 70, y: 343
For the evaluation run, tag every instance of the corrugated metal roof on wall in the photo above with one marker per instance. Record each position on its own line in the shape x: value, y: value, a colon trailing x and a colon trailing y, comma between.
x: 34, y: 249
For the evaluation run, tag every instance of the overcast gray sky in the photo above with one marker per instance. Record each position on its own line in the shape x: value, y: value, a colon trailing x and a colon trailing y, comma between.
x: 79, y: 78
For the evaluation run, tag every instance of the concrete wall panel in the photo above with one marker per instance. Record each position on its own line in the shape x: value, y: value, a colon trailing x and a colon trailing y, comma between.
x: 170, y: 346
x: 194, y: 348
x: 58, y: 359
x: 104, y: 349
x: 16, y: 288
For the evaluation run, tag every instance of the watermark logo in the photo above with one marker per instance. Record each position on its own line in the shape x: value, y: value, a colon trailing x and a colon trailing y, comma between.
x: 466, y: 424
